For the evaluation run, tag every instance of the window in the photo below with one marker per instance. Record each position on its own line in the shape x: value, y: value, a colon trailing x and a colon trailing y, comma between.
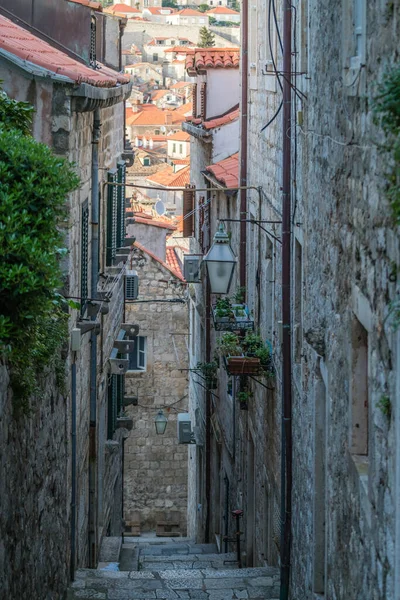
x: 84, y: 254
x: 173, y: 148
x: 155, y: 57
x: 138, y: 356
x: 121, y: 203
x: 92, y: 52
x: 156, y: 132
x: 115, y: 397
x: 359, y: 389
x: 181, y: 148
x: 146, y: 162
x: 112, y: 216
x: 172, y: 42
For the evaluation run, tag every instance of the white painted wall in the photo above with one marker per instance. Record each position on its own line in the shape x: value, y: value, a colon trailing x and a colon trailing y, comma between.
x: 226, y: 141
x: 188, y: 20
x: 222, y: 91
x: 182, y: 149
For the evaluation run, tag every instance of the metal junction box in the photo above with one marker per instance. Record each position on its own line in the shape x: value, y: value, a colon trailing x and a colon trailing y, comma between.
x: 185, y: 435
x: 191, y: 268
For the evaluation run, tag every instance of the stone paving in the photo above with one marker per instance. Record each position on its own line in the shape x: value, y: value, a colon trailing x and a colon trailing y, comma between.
x: 176, y: 570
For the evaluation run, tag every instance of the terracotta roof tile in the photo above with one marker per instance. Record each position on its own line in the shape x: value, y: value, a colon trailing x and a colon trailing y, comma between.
x: 185, y: 108
x: 177, y: 274
x: 25, y: 45
x: 153, y: 117
x: 167, y: 177
x: 181, y: 49
x: 154, y: 10
x: 181, y: 161
x: 148, y: 220
x: 180, y: 84
x: 179, y: 136
x: 212, y: 58
x: 222, y: 10
x: 226, y: 171
x: 172, y: 260
x: 89, y: 4
x: 122, y: 8
x: 233, y: 115
x: 189, y: 12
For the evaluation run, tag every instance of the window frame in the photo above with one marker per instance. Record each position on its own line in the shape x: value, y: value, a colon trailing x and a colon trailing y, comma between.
x: 140, y: 359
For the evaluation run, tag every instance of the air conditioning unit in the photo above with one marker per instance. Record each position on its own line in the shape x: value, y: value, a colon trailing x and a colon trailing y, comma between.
x: 131, y: 285
x: 191, y: 268
x: 185, y: 433
x: 119, y: 366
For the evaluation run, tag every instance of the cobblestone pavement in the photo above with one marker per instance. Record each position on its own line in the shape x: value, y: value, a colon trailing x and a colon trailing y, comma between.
x: 174, y: 570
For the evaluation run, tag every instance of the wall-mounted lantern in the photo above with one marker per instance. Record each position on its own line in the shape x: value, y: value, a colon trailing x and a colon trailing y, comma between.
x: 220, y: 262
x: 160, y: 422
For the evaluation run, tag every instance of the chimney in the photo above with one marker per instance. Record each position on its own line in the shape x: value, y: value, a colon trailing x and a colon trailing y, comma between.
x: 168, y: 118
x: 136, y: 106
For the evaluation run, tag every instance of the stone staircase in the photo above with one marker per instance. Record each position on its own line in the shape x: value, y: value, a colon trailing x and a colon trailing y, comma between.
x: 174, y: 569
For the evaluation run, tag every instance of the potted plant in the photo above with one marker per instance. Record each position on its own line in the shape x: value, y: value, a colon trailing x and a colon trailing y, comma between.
x: 244, y: 397
x: 230, y: 316
x: 236, y: 362
x: 223, y: 310
x: 209, y: 372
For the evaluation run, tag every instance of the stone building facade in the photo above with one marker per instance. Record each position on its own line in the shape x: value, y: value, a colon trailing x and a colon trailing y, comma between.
x: 65, y: 489
x: 344, y: 344
x: 156, y: 472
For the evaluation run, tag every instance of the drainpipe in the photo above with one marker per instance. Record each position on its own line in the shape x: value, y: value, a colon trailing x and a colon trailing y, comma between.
x: 208, y: 415
x: 243, y: 146
x: 286, y: 459
x: 93, y: 345
x: 73, y: 467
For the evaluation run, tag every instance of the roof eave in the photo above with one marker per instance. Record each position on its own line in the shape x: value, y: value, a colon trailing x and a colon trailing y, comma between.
x: 196, y: 132
x: 88, y: 97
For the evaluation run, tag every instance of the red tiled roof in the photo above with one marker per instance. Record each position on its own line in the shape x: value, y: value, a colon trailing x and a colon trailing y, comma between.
x: 233, y: 115
x: 226, y: 171
x: 222, y: 10
x: 89, y: 4
x: 180, y: 49
x: 181, y: 161
x: 25, y: 45
x: 167, y: 177
x: 180, y: 84
x: 153, y: 117
x: 177, y: 274
x: 154, y: 10
x: 158, y: 94
x: 122, y: 8
x: 179, y: 136
x: 185, y: 108
x: 189, y: 12
x: 172, y: 260
x: 212, y: 58
x: 148, y: 220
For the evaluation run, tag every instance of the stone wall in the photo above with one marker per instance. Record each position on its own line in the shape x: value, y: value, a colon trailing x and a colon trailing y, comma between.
x: 156, y: 465
x: 34, y: 495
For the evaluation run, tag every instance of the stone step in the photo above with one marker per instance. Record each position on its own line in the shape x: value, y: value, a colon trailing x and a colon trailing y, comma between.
x: 178, y: 548
x: 188, y: 561
x: 204, y: 584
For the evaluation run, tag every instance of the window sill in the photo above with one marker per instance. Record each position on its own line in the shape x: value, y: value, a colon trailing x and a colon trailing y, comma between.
x: 360, y: 467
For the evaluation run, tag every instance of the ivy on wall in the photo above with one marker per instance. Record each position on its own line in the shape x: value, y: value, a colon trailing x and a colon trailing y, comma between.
x: 387, y: 112
x: 34, y: 185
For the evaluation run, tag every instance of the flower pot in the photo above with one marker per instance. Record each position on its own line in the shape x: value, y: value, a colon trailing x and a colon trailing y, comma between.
x: 242, y: 365
x: 125, y: 422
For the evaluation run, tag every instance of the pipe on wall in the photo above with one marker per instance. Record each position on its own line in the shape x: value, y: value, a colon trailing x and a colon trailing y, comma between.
x: 93, y: 343
x: 243, y: 144
x: 73, y: 469
x: 286, y: 459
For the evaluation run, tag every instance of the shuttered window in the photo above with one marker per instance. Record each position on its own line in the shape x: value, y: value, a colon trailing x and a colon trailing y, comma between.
x: 137, y: 358
x: 92, y: 57
x: 121, y: 194
x: 84, y: 254
x: 188, y: 206
x: 112, y: 216
x: 203, y: 100
x: 116, y: 390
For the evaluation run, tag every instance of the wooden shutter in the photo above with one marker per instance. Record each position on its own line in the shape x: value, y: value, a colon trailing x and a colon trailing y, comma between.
x: 112, y: 216
x: 188, y: 206
x: 194, y: 96
x: 116, y: 391
x: 121, y: 204
x: 84, y: 255
x: 92, y: 56
x: 203, y: 100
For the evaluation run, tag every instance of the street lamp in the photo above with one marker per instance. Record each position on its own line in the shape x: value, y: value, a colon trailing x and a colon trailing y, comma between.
x: 160, y: 422
x: 220, y: 262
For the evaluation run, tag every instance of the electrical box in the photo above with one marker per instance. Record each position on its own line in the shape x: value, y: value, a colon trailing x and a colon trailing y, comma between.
x: 191, y: 268
x: 131, y: 285
x: 75, y: 339
x: 185, y: 434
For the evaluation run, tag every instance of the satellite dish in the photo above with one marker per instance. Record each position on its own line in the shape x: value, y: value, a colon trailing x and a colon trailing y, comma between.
x: 160, y: 208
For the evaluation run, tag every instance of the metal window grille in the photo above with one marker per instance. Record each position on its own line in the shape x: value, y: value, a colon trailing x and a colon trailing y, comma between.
x: 112, y: 216
x: 121, y: 203
x: 92, y: 56
x: 84, y: 254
